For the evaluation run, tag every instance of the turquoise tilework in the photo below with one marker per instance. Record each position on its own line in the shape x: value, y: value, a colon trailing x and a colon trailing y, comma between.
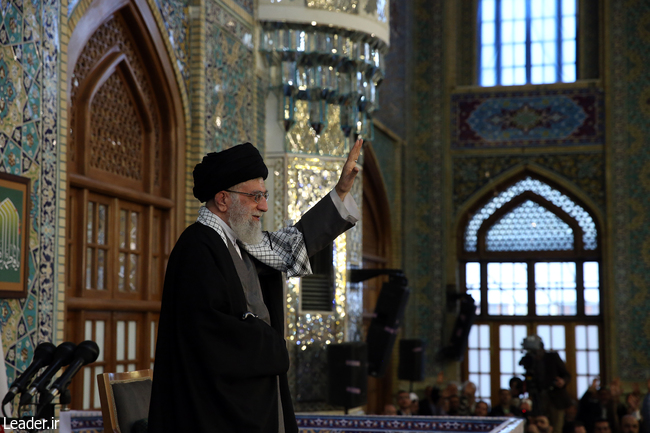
x: 385, y: 150
x: 247, y: 5
x: 13, y: 23
x: 23, y: 57
x: 629, y: 165
x: 176, y: 18
x: 423, y: 213
x: 230, y: 78
x: 471, y: 173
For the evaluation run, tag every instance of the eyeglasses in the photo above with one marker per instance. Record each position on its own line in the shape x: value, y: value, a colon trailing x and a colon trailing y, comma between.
x: 257, y: 195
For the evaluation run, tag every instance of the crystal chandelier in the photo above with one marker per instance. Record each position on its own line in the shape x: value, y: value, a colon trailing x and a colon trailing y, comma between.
x: 324, y: 65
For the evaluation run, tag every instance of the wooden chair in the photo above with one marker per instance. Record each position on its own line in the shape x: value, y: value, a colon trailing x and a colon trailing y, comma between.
x: 125, y: 399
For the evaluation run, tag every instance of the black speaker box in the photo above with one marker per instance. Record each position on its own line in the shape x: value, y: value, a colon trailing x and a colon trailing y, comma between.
x: 382, y: 331
x: 380, y: 339
x: 458, y: 342
x: 411, y: 360
x: 347, y: 367
x: 391, y: 304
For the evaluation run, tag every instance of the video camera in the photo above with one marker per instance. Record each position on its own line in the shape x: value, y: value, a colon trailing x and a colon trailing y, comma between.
x: 532, y: 345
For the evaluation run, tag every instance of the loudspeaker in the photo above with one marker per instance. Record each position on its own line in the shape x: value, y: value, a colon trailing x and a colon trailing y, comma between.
x: 411, y: 360
x: 458, y: 341
x: 380, y: 339
x: 382, y: 331
x: 391, y: 304
x: 347, y: 368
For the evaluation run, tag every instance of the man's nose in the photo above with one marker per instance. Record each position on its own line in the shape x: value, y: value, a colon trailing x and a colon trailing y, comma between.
x: 263, y: 205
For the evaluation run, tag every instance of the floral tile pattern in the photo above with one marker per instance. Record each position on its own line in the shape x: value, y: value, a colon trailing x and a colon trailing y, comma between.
x: 176, y: 19
x: 28, y: 104
x: 539, y: 118
x: 230, y: 73
x: 423, y: 221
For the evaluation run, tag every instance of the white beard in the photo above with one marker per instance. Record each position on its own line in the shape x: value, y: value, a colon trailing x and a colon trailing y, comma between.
x: 248, y: 230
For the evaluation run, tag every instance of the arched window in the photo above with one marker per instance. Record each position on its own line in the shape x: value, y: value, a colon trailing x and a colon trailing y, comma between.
x: 530, y: 258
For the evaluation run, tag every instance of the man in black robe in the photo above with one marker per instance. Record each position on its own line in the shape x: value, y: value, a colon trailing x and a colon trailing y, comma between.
x: 221, y: 357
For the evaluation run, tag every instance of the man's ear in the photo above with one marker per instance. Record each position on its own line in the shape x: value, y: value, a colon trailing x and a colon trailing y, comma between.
x: 220, y: 201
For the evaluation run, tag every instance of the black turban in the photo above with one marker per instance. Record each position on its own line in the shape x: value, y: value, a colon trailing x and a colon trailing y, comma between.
x: 221, y: 170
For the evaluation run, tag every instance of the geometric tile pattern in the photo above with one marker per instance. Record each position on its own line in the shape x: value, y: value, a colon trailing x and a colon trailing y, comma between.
x: 230, y: 117
x: 393, y: 424
x: 49, y: 160
x: 629, y: 165
x: 541, y: 189
x: 535, y: 118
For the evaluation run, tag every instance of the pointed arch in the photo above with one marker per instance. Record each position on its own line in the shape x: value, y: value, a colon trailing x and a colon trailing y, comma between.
x: 515, y: 203
x: 512, y: 176
x: 126, y: 137
x: 532, y: 282
x: 87, y: 13
x: 150, y: 44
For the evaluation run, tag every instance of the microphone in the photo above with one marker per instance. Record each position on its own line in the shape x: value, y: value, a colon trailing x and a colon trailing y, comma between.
x: 62, y: 357
x: 43, y: 355
x: 86, y: 353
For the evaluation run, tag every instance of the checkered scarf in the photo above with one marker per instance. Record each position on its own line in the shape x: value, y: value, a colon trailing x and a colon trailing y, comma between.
x: 283, y: 250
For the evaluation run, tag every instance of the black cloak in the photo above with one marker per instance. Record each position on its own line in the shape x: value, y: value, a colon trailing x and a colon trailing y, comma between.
x: 215, y: 372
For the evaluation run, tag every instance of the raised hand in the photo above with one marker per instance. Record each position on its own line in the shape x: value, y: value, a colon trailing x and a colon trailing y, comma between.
x: 615, y: 388
x: 350, y: 170
x: 594, y: 385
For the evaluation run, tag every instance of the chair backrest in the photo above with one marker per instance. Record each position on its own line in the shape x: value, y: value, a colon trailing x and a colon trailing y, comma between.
x: 124, y: 398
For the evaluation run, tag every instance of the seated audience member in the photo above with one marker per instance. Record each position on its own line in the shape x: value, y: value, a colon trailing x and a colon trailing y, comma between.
x: 516, y: 389
x: 543, y: 424
x: 629, y: 424
x: 415, y: 403
x: 430, y: 404
x: 389, y: 409
x: 467, y: 399
x: 443, y: 406
x: 452, y: 388
x: 579, y: 427
x: 597, y: 404
x: 632, y: 405
x: 481, y: 408
x: 531, y: 427
x: 454, y: 405
x: 570, y: 414
x: 645, y: 412
x: 505, y: 407
x: 602, y: 426
x: 525, y: 408
x: 403, y: 403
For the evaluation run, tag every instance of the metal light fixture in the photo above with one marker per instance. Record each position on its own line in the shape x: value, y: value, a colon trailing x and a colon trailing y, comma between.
x: 324, y: 65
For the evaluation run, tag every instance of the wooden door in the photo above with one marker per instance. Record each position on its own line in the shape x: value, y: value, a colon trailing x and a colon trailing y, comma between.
x: 124, y: 199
